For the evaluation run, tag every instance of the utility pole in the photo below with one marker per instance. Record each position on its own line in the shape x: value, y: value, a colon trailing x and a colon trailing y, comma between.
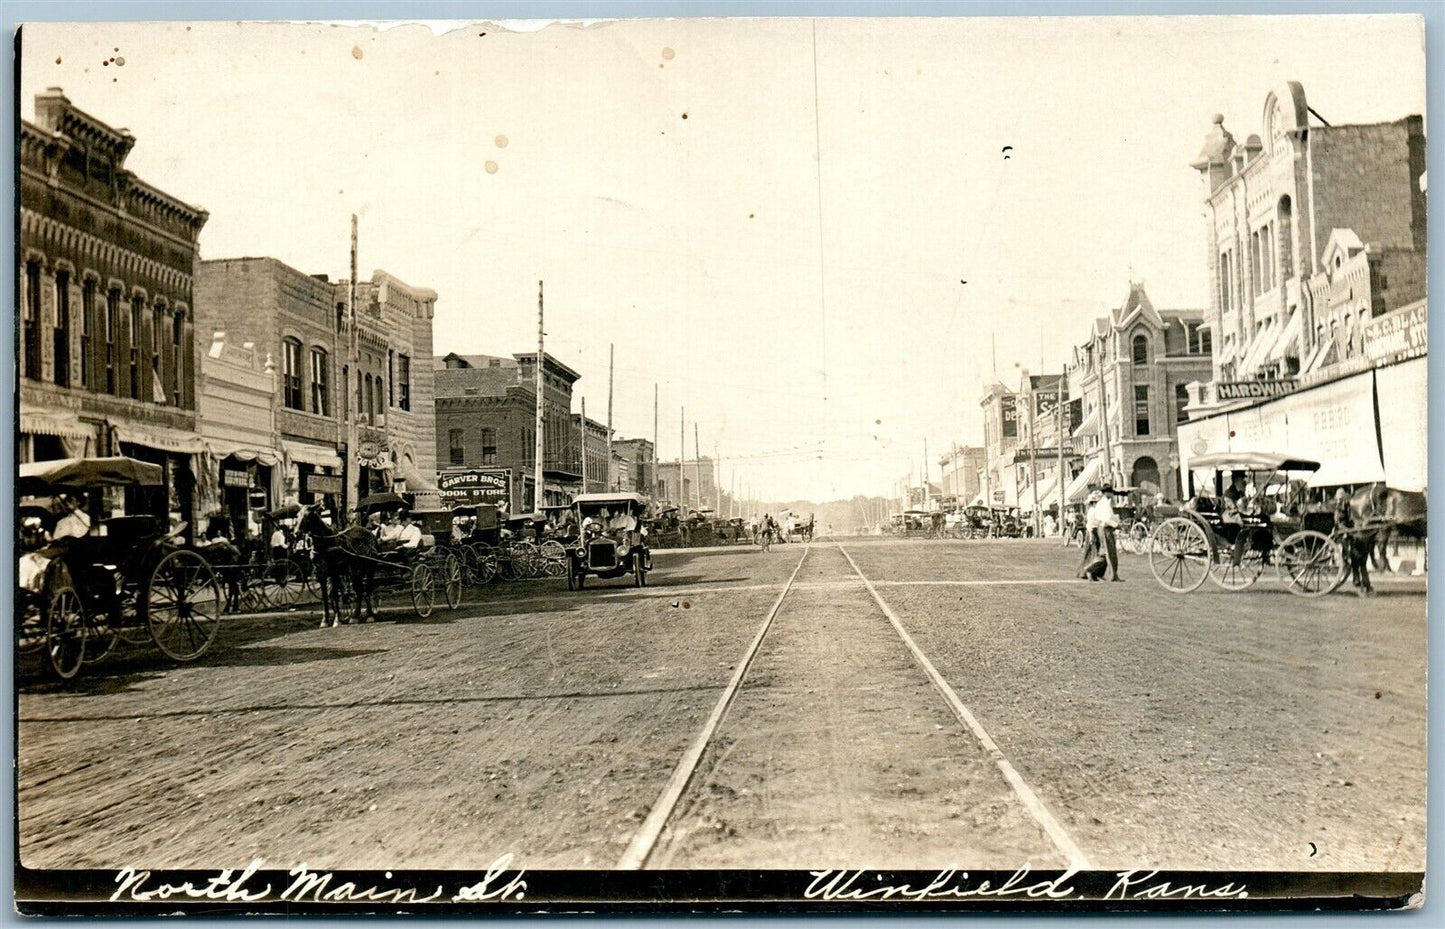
x: 925, y: 474
x: 608, y: 471
x: 1059, y: 422
x: 537, y: 479
x: 697, y: 466
x: 652, y: 487
x: 584, y: 445
x: 681, y: 454
x: 1107, y: 470
x: 351, y: 474
x: 1034, y: 460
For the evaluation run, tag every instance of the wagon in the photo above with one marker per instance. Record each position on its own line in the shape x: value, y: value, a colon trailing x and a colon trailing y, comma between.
x: 614, y: 539
x: 128, y: 578
x: 1203, y: 540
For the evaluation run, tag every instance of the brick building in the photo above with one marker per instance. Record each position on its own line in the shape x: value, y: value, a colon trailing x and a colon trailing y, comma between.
x: 590, y: 440
x: 636, y: 459
x: 998, y: 476
x: 486, y: 421
x: 1132, y: 379
x: 108, y: 360
x: 960, y: 469
x: 301, y: 322
x: 696, y: 489
x: 243, y: 473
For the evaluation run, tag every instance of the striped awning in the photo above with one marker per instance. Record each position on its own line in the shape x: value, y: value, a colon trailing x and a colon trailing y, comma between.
x: 54, y: 422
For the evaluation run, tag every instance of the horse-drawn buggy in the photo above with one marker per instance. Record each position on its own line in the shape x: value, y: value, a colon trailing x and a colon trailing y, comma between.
x: 613, y: 541
x: 387, y: 553
x: 1266, y: 514
x: 124, y: 578
x: 797, y: 527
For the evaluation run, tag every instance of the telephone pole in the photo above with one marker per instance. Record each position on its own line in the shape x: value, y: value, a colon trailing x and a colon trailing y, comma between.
x: 584, y: 445
x: 537, y: 479
x: 608, y: 471
x: 350, y: 471
x: 1059, y: 422
x: 681, y: 454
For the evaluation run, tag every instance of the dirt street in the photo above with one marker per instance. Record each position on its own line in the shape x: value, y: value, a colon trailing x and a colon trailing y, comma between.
x: 1242, y: 731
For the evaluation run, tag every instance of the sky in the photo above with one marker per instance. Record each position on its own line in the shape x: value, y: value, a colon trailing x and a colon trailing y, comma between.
x: 816, y: 239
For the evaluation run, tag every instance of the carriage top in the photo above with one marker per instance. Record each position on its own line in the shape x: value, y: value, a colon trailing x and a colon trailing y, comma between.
x: 1252, y: 461
x: 623, y: 498
x: 37, y: 477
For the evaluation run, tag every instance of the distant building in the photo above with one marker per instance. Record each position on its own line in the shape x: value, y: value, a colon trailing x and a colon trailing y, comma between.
x: 961, y: 467
x: 636, y: 465
x: 1131, y: 377
x: 108, y: 362
x: 592, y: 440
x: 998, y: 477
x: 486, y: 421
x: 695, y: 488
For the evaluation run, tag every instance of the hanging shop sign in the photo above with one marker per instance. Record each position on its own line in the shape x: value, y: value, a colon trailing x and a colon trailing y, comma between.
x: 231, y: 478
x: 322, y: 484
x: 1009, y: 414
x: 1399, y: 335
x: 372, y: 454
x: 475, y: 486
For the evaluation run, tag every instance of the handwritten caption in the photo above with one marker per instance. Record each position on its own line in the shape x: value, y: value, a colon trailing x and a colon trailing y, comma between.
x: 499, y: 883
x: 952, y: 884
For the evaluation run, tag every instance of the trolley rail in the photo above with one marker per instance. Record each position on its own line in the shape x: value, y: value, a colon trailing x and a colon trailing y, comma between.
x: 656, y: 823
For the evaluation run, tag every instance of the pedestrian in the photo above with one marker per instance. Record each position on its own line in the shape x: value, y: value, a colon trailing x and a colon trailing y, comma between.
x: 1102, y: 513
x: 1091, y: 566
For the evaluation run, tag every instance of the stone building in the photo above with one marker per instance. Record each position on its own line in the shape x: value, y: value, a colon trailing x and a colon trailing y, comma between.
x: 1272, y: 207
x: 998, y: 477
x: 486, y: 421
x: 108, y: 359
x: 1131, y: 376
x: 960, y: 468
x: 1317, y: 263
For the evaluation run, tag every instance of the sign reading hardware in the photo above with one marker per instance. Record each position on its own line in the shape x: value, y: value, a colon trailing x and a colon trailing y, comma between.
x: 1255, y: 390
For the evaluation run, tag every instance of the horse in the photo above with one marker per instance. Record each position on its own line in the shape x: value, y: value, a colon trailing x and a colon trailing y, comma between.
x: 338, y: 566
x: 1375, y: 512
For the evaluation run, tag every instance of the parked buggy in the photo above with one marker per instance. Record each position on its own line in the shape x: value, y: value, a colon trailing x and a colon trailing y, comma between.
x: 1232, y: 540
x: 128, y: 578
x: 614, y: 539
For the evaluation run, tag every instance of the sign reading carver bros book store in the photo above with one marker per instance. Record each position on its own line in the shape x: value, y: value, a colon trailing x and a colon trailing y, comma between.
x: 458, y: 488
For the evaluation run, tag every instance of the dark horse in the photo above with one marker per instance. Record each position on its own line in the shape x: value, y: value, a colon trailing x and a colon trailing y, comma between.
x: 1374, y: 513
x: 339, y: 569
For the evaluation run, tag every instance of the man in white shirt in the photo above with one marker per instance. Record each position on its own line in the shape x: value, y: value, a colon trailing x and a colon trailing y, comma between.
x: 1102, y: 515
x: 75, y: 523
x: 409, y: 535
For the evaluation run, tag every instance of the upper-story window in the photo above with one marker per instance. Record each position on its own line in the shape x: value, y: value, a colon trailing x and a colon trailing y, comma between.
x: 456, y: 447
x: 135, y: 338
x: 62, y: 328
x: 403, y: 374
x: 320, y: 382
x: 178, y: 365
x: 159, y: 331
x: 1141, y: 349
x: 31, y: 320
x: 1141, y: 409
x: 390, y: 378
x: 87, y: 326
x: 291, y: 374
x: 112, y: 326
x: 1181, y: 400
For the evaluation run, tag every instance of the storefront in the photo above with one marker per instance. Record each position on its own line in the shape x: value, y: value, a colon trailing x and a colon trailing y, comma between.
x: 1363, y: 428
x: 313, y: 474
x: 246, y: 490
x: 180, y: 456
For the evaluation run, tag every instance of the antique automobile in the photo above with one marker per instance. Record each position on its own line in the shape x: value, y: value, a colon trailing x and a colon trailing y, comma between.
x: 613, y: 540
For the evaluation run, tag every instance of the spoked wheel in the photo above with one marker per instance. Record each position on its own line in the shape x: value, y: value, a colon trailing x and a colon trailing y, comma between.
x: 423, y: 590
x: 183, y: 605
x: 283, y: 585
x: 526, y: 560
x: 554, y: 558
x: 1235, y: 577
x: 484, y: 563
x: 66, y: 631
x: 1179, y: 554
x: 1139, y: 538
x: 1311, y: 564
x: 452, y: 581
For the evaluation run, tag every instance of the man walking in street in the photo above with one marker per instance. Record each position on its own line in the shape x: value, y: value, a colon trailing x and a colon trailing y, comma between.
x: 1102, y: 514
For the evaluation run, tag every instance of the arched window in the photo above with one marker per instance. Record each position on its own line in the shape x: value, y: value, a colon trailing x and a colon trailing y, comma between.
x: 1285, y: 212
x: 368, y: 397
x: 1141, y: 349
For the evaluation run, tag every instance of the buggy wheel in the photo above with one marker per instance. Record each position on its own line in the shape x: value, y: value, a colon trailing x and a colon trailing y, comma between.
x: 452, y: 581
x: 527, y: 560
x: 183, y: 605
x: 1179, y: 554
x: 484, y: 560
x: 1310, y: 563
x: 1235, y: 577
x: 66, y: 631
x: 423, y: 590
x: 554, y: 558
x: 282, y: 584
x: 1139, y: 538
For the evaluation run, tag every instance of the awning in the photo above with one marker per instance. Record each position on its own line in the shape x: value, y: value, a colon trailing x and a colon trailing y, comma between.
x: 223, y: 450
x: 1288, y: 339
x: 1326, y: 353
x: 1404, y: 423
x: 1259, y: 346
x: 54, y: 422
x: 1048, y: 492
x: 160, y: 438
x: 321, y: 456
x: 1089, y: 426
x: 977, y: 501
x: 415, y: 481
x: 1078, y: 488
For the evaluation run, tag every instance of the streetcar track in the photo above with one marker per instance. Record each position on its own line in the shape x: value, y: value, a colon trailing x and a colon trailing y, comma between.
x: 650, y: 831
x: 646, y: 839
x: 1036, y: 807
